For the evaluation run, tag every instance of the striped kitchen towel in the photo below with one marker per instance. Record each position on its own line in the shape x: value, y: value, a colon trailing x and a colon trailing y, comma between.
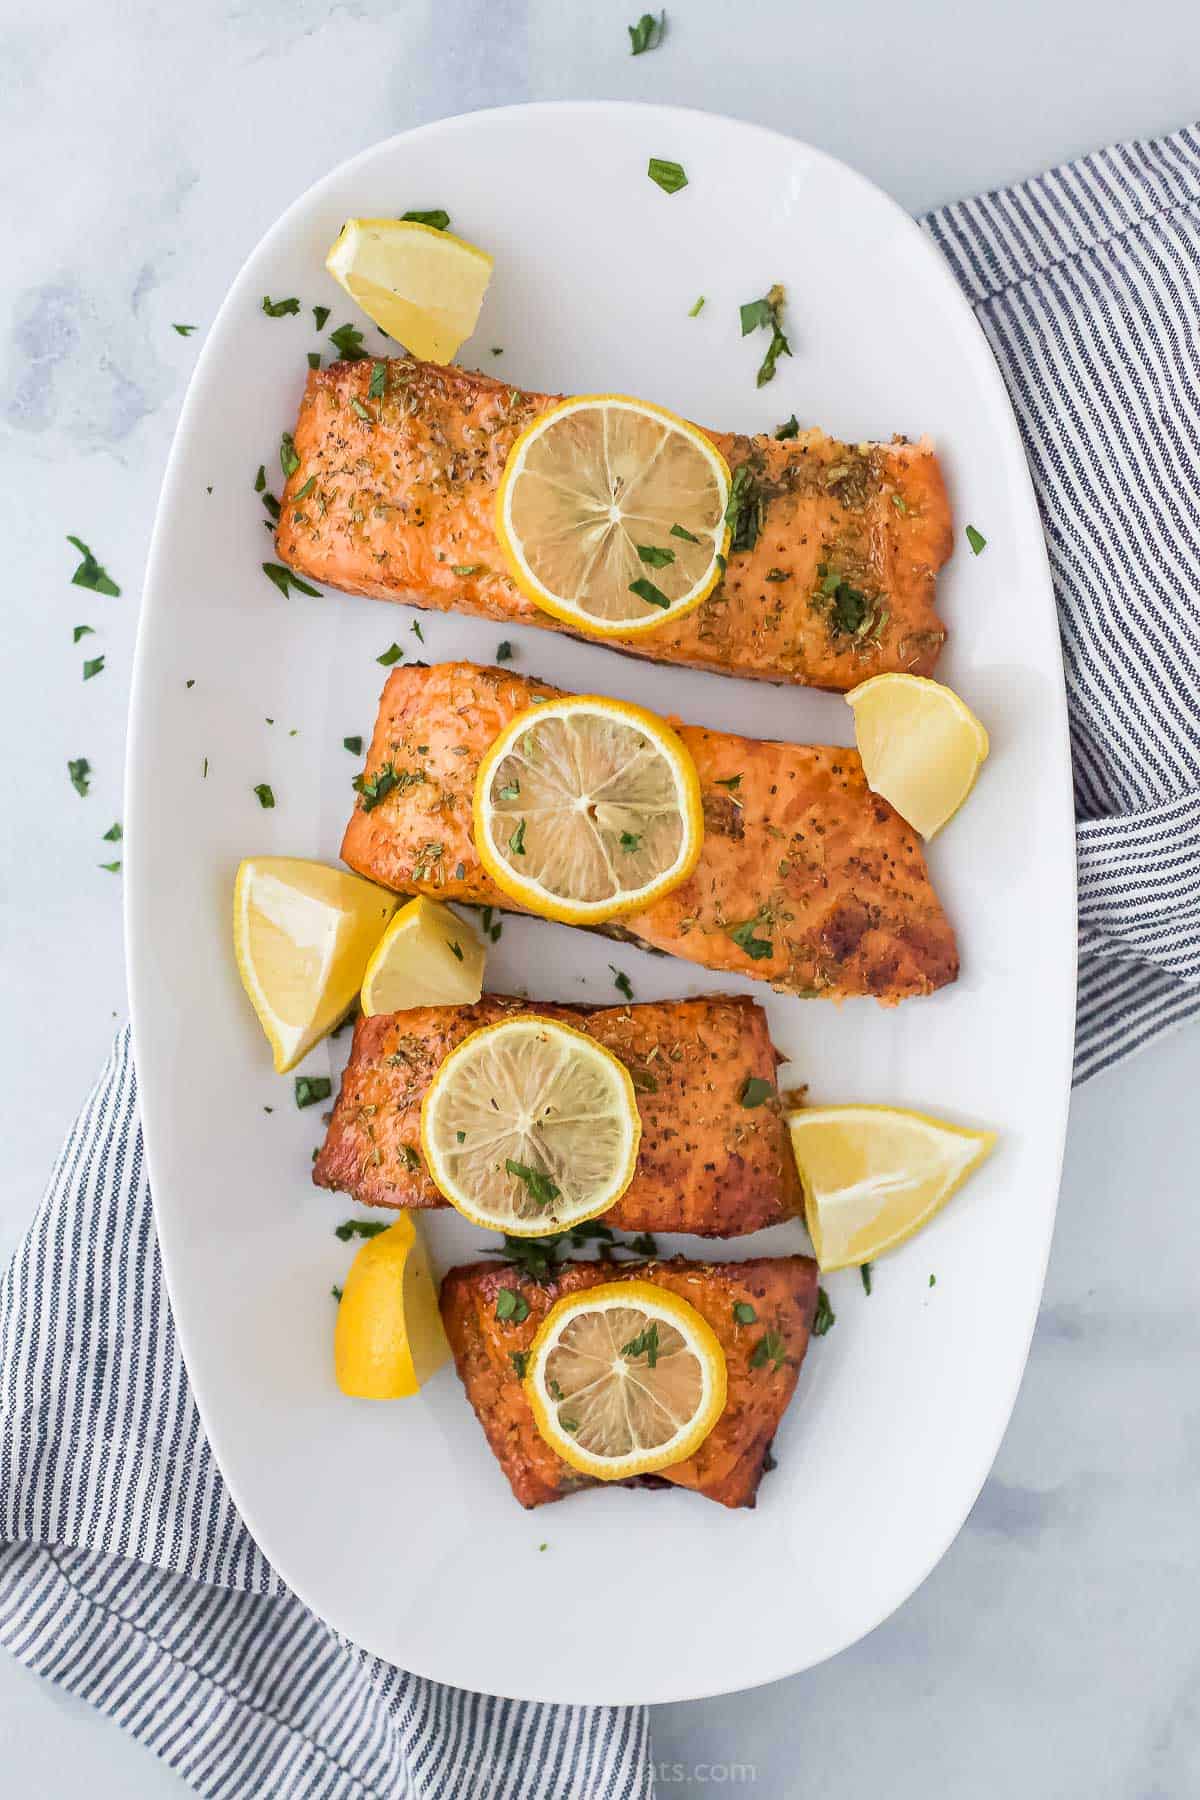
x: 1086, y: 282
x: 125, y: 1573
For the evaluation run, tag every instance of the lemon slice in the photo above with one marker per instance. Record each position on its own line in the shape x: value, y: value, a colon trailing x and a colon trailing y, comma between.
x: 611, y: 514
x: 388, y: 1339
x: 587, y: 808
x: 921, y: 746
x: 426, y: 957
x: 422, y: 286
x: 302, y: 934
x: 625, y: 1378
x: 872, y: 1175
x: 530, y: 1126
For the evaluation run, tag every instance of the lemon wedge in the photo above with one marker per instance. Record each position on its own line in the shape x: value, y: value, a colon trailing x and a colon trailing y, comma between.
x: 611, y: 514
x: 921, y: 746
x: 530, y: 1126
x: 388, y: 1339
x: 872, y: 1175
x: 302, y: 934
x: 587, y: 808
x: 625, y: 1378
x: 426, y: 957
x: 422, y: 286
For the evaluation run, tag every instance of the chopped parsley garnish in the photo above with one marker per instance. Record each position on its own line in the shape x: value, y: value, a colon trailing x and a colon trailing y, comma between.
x: 351, y: 1228
x: 466, y: 568
x: 82, y: 631
x: 113, y: 835
x: 336, y: 1292
x: 363, y: 411
x: 743, y: 1312
x: 729, y: 781
x: 511, y: 1306
x: 621, y: 982
x: 933, y: 1281
x: 111, y: 868
x: 504, y: 651
x: 391, y: 655
x: 510, y: 791
x: 314, y: 359
x: 568, y: 1424
x: 641, y: 1245
x: 375, y: 789
x: 696, y: 308
x: 516, y: 842
x: 643, y: 1081
x: 320, y: 314
x: 438, y: 218
x: 824, y: 1318
x: 312, y: 1088
x: 347, y: 341
x: 456, y: 948
x: 520, y: 1362
x: 79, y: 769
x: 90, y: 573
x: 756, y: 948
x: 644, y: 1344
x: 542, y: 1191
x: 285, y: 581
x: 184, y: 330
x: 900, y: 503
x: 378, y: 384
x: 415, y: 628
x: 657, y: 559
x: 266, y: 795
x: 646, y: 590
x: 275, y: 309
x: 864, y: 1270
x: 630, y: 840
x: 669, y: 176
x: 789, y: 429
x: 92, y: 666
x: 754, y: 1090
x: 353, y: 745
x: 260, y: 480
x: 744, y: 509
x: 689, y: 537
x: 272, y: 506
x: 765, y: 314
x: 647, y: 34
x: 302, y: 493
x: 777, y: 574
x: 770, y: 1348
x: 976, y: 540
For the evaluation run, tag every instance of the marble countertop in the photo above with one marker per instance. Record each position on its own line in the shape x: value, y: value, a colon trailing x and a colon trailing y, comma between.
x: 143, y: 150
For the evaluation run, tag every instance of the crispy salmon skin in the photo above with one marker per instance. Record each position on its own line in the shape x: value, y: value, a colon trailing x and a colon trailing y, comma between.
x: 728, y: 1465
x: 830, y: 576
x: 806, y: 878
x: 708, y: 1162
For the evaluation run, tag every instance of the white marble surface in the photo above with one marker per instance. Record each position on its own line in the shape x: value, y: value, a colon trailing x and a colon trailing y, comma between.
x: 143, y: 149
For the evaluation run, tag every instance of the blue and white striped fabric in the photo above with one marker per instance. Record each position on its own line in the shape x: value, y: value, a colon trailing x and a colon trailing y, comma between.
x: 127, y: 1576
x: 125, y: 1573
x: 1087, y: 284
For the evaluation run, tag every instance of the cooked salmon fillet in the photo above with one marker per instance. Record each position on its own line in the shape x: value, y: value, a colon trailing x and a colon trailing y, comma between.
x: 729, y: 1463
x: 707, y: 1162
x: 830, y: 577
x: 806, y: 878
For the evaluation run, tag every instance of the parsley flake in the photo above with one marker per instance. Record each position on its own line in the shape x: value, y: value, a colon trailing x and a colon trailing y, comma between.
x: 621, y: 982
x: 79, y: 769
x: 770, y: 1348
x: 647, y: 34
x: 697, y: 308
x: 744, y: 1313
x: 669, y: 176
x: 92, y: 666
x: 353, y: 745
x: 657, y: 559
x: 113, y: 835
x: 320, y: 314
x: 630, y: 840
x: 644, y: 1344
x: 766, y: 314
x: 824, y: 1318
x: 646, y: 590
x: 352, y: 1228
x: 864, y: 1270
x: 754, y: 1090
x: 285, y: 581
x: 438, y: 218
x: 456, y: 949
x: 756, y: 948
x: 516, y: 842
x: 276, y: 309
x: 266, y: 795
x: 378, y: 384
x: 184, y: 330
x: 976, y: 540
x: 391, y: 655
x: 91, y: 574
x: 542, y: 1191
x: 347, y: 341
x: 312, y: 1088
x: 82, y: 631
x: 504, y: 651
x: 789, y: 429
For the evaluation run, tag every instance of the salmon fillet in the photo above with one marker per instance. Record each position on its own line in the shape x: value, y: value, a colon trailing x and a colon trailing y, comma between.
x: 833, y: 582
x: 729, y: 1463
x: 707, y: 1163
x: 822, y: 882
